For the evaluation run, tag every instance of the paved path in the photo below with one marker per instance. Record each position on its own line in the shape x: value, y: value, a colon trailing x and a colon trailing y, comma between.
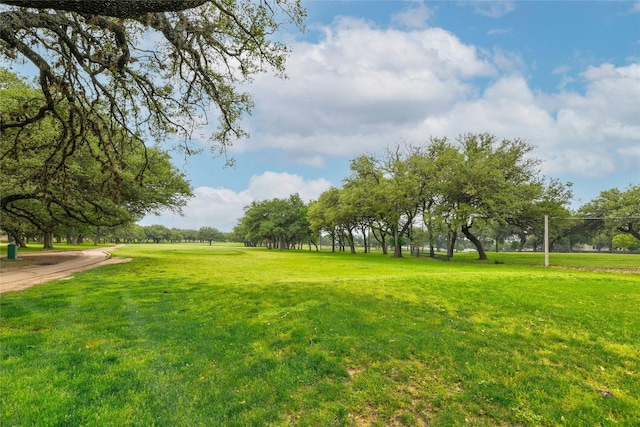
x: 22, y: 278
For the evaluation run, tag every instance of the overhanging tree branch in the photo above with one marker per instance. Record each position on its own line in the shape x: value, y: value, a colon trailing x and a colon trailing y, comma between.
x: 113, y: 8
x: 88, y: 56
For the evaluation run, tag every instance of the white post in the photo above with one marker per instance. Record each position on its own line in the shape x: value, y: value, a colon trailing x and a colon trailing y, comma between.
x: 546, y: 240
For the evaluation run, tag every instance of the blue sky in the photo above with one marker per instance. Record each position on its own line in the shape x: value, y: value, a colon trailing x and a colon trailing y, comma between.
x: 564, y: 76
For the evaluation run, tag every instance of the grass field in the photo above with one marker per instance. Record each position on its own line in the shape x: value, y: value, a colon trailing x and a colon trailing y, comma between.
x: 193, y: 335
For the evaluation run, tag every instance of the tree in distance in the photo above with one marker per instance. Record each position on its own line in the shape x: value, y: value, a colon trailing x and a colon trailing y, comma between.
x: 624, y: 241
x: 210, y: 234
x: 276, y: 223
x: 616, y: 209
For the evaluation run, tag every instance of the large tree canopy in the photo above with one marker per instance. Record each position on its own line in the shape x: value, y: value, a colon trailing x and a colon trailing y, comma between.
x: 155, y: 66
x: 86, y: 183
x: 489, y: 179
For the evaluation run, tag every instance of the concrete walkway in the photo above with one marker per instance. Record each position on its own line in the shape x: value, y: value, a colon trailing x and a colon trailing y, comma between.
x: 22, y: 278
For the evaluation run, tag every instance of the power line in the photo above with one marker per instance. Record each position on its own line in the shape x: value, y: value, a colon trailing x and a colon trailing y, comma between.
x: 546, y: 228
x: 593, y: 218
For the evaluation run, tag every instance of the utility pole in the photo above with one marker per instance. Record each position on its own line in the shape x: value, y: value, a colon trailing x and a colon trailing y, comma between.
x: 546, y: 240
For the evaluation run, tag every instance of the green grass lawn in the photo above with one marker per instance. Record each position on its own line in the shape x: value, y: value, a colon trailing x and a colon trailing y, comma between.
x: 193, y: 335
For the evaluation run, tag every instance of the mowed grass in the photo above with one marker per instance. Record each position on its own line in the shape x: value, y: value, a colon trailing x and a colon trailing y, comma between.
x: 193, y: 335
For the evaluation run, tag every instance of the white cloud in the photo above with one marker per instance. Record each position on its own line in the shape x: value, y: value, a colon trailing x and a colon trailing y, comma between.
x: 499, y: 31
x: 561, y: 69
x: 362, y: 88
x: 591, y: 134
x: 210, y: 207
x: 631, y: 157
x: 508, y: 61
x: 507, y: 108
x: 281, y: 185
x: 416, y: 15
x: 492, y: 9
x: 221, y: 208
x: 604, y: 122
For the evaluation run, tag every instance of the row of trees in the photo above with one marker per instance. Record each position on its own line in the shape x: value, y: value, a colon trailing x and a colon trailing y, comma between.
x: 482, y: 188
x: 446, y: 187
x: 159, y: 233
x: 128, y: 233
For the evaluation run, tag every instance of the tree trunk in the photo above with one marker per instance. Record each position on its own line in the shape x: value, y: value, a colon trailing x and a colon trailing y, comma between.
x: 382, y: 240
x: 364, y: 236
x: 48, y: 240
x: 350, y: 239
x: 96, y: 240
x: 477, y: 243
x: 535, y: 245
x: 452, y: 244
x: 523, y: 240
x: 397, y: 250
x: 17, y: 238
x: 432, y: 239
